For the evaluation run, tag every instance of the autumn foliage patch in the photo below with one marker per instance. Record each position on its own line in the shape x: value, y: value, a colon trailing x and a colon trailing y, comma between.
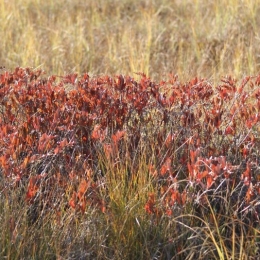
x: 201, y: 141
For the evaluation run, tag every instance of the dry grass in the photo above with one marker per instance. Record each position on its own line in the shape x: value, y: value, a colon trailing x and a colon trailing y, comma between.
x: 209, y: 39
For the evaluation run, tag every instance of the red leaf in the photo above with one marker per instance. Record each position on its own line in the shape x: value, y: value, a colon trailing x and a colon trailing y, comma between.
x: 191, y: 171
x: 108, y: 150
x: 257, y: 186
x: 153, y: 171
x: 169, y: 140
x: 246, y: 175
x: 166, y: 167
x: 45, y: 142
x: 32, y: 189
x: 83, y: 204
x: 36, y: 123
x: 176, y: 197
x: 250, y: 193
x: 83, y: 186
x: 116, y: 137
x: 103, y: 206
x: 210, y: 181
x: 62, y: 144
x: 25, y: 162
x: 202, y: 175
x: 184, y: 197
x: 150, y: 205
x: 229, y: 131
x: 72, y: 201
x: 98, y: 133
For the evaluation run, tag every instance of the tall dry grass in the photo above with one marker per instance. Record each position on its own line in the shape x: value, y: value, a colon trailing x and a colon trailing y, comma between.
x: 205, y: 38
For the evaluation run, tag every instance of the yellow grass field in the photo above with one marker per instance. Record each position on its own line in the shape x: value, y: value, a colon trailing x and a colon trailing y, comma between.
x: 209, y: 39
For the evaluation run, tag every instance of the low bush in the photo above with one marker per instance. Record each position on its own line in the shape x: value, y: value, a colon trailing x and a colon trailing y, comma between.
x: 118, y: 168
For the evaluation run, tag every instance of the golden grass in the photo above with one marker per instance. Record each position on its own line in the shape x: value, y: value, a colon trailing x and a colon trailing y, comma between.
x: 205, y: 38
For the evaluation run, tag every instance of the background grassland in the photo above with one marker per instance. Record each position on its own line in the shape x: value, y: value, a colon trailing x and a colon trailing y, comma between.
x: 189, y: 37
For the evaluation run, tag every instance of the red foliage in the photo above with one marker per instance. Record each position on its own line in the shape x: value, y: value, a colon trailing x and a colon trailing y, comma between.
x: 198, y: 133
x: 150, y: 204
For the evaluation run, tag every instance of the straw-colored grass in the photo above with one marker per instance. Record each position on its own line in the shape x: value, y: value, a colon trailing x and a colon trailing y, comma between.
x: 205, y: 38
